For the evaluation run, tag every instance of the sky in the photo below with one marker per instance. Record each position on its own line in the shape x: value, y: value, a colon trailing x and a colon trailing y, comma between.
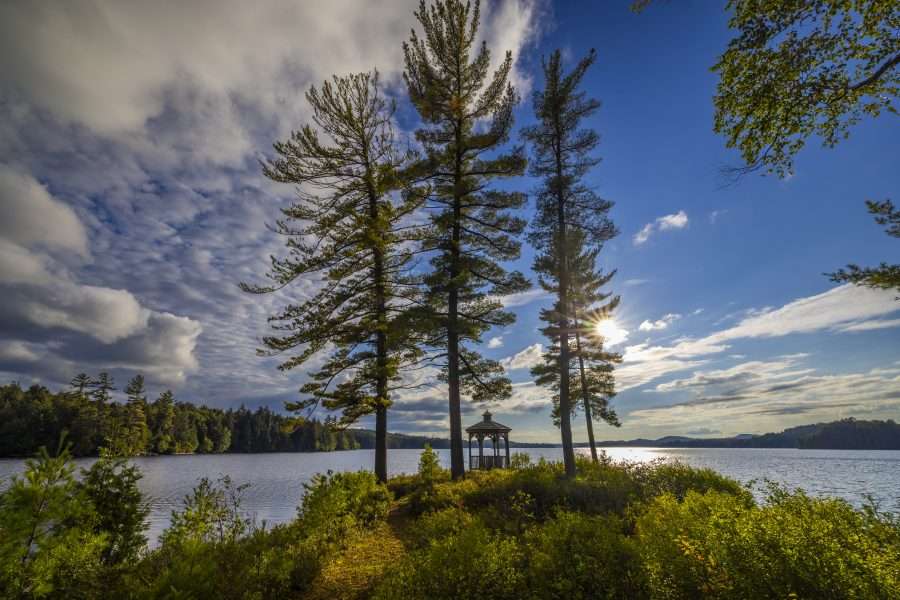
x: 133, y: 205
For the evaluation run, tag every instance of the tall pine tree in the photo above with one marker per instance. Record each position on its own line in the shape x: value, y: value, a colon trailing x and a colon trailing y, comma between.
x: 467, y: 117
x: 565, y: 205
x: 347, y: 229
x: 136, y: 416
x: 592, y: 305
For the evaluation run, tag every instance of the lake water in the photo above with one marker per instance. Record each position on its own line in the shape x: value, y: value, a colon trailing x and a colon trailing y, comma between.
x: 276, y: 480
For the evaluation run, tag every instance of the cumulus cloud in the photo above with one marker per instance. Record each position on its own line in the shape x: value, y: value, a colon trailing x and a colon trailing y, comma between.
x: 677, y: 220
x: 141, y: 132
x: 525, y: 359
x: 142, y: 69
x: 47, y: 314
x: 661, y: 323
x: 495, y: 342
x: 32, y: 216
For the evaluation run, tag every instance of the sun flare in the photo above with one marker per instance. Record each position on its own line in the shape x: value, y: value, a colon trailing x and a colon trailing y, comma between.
x: 611, y: 332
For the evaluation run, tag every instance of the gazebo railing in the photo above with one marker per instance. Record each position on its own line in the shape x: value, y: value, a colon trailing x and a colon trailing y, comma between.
x: 488, y: 461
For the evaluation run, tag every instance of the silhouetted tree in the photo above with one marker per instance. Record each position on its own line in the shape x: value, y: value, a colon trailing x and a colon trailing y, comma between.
x: 466, y: 114
x: 562, y: 156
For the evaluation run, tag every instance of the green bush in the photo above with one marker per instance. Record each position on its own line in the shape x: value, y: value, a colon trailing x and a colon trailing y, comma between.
x: 576, y: 556
x: 49, y: 546
x: 714, y: 545
x: 437, y: 525
x: 337, y: 502
x: 427, y: 495
x: 472, y: 563
x: 111, y: 485
x: 211, y: 550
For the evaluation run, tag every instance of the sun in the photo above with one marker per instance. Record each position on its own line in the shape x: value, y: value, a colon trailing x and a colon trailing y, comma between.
x: 611, y: 332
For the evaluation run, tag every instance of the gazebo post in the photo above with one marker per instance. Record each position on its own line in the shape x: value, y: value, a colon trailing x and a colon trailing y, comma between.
x: 470, y: 451
x: 506, y: 443
x: 480, y: 450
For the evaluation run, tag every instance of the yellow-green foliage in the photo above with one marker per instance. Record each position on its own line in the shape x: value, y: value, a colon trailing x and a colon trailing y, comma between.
x: 470, y: 563
x: 616, y: 531
x: 713, y: 545
x: 577, y: 556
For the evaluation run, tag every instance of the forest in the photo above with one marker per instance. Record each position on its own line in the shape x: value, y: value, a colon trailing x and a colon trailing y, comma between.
x: 88, y: 420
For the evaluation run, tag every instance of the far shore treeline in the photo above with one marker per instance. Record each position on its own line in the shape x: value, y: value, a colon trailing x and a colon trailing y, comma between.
x: 35, y: 417
x: 90, y: 420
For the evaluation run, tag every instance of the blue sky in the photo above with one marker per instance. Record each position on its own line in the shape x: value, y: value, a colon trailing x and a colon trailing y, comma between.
x: 133, y: 205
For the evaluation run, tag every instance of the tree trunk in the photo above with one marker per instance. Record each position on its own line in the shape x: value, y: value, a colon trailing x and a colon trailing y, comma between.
x: 381, y: 443
x: 565, y: 421
x: 381, y: 351
x: 584, y: 394
x: 457, y: 468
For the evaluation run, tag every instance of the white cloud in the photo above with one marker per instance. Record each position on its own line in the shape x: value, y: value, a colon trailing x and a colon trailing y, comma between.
x: 660, y: 323
x: 841, y: 306
x: 770, y: 396
x: 633, y: 282
x: 122, y: 68
x: 525, y: 359
x: 644, y: 234
x: 674, y: 221
x: 714, y: 215
x: 523, y: 298
x: 41, y: 300
x: 495, y: 342
x: 32, y: 217
x: 869, y: 325
x: 677, y: 220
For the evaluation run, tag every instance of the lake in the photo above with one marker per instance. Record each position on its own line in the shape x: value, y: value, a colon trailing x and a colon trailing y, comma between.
x: 276, y: 480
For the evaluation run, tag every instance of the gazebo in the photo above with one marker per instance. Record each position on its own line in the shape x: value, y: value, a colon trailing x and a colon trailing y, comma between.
x: 492, y: 431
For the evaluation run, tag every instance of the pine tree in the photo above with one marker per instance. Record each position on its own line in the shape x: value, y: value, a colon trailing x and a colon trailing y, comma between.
x: 467, y: 114
x: 163, y: 429
x: 102, y: 388
x: 347, y: 229
x: 590, y: 306
x: 81, y: 383
x: 565, y: 205
x: 136, y: 415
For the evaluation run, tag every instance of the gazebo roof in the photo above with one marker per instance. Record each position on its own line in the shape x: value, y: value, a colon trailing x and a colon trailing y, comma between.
x: 487, y: 426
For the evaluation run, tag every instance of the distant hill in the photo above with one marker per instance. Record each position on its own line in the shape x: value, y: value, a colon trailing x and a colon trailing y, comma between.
x: 847, y: 434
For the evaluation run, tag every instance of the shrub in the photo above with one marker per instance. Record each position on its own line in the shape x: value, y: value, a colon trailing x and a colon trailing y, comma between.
x: 473, y: 563
x: 437, y: 525
x: 48, y: 546
x: 211, y: 514
x: 211, y: 550
x: 576, y: 556
x: 714, y: 545
x: 425, y: 496
x: 519, y: 460
x: 678, y: 479
x: 337, y: 502
x: 111, y: 484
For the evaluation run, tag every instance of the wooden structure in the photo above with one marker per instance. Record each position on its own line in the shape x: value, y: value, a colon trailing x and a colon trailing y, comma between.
x: 488, y: 429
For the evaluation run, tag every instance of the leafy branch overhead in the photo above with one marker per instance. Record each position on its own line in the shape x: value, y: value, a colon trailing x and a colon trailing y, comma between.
x: 799, y: 69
